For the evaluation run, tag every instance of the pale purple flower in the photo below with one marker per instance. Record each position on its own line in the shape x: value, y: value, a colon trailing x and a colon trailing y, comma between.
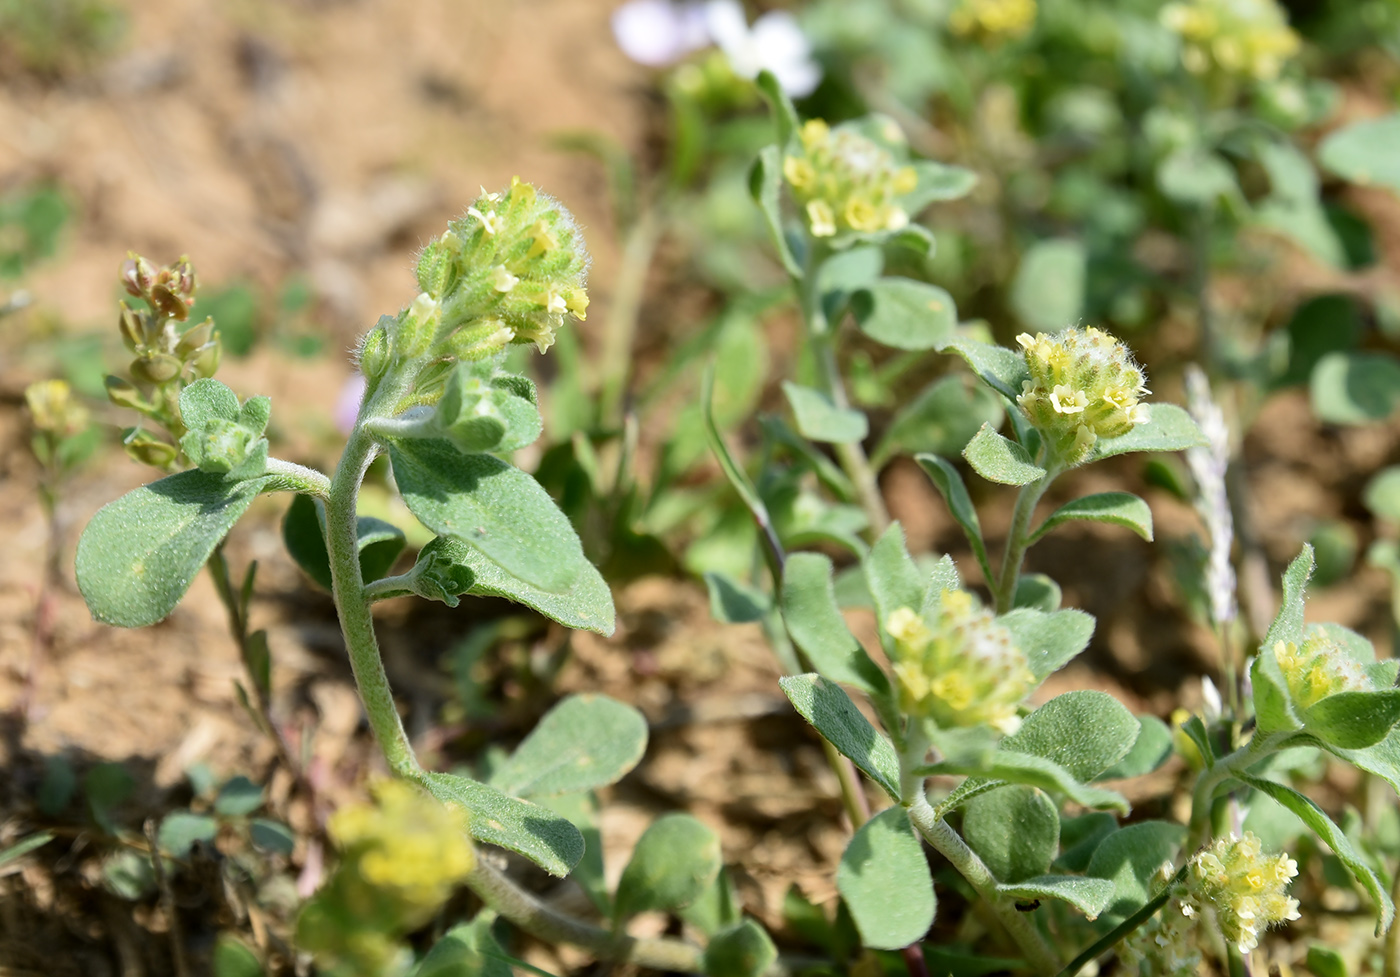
x: 347, y: 405
x: 1208, y: 466
x: 774, y: 43
x: 657, y: 33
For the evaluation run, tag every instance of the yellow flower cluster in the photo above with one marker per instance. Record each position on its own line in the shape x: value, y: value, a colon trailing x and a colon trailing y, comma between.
x: 960, y: 668
x: 1245, y: 888
x: 992, y: 20
x: 1249, y: 38
x: 845, y: 181
x: 405, y: 844
x: 508, y: 271
x: 1318, y: 669
x: 1084, y: 386
x: 54, y: 410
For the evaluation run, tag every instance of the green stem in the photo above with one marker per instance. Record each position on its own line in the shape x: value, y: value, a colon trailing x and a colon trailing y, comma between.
x: 356, y: 622
x: 1018, y: 538
x: 821, y: 338
x: 938, y: 833
x: 1111, y: 939
x: 1226, y: 768
x: 620, y: 330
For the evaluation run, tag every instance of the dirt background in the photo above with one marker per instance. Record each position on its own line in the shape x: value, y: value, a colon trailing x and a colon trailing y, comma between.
x: 329, y: 138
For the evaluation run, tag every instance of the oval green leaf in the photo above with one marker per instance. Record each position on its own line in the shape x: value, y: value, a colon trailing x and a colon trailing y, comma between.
x: 885, y: 881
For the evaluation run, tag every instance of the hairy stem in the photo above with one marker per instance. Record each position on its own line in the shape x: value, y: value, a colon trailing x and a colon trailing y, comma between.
x: 1018, y: 539
x: 938, y: 833
x: 1111, y: 939
x: 356, y: 622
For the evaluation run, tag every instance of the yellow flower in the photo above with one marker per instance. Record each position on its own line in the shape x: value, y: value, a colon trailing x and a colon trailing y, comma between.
x: 1245, y: 887
x: 992, y: 20
x: 53, y: 409
x: 1083, y: 386
x: 1246, y: 38
x: 845, y: 181
x: 958, y: 667
x: 1318, y: 669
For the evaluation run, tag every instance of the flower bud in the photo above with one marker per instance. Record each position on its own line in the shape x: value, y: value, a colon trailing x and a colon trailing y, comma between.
x: 124, y: 394
x: 846, y: 182
x: 374, y: 350
x: 1084, y: 386
x: 52, y: 408
x: 960, y: 667
x: 992, y: 20
x: 137, y: 275
x: 1238, y: 38
x: 155, y: 368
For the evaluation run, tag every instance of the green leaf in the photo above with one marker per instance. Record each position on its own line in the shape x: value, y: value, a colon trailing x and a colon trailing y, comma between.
x: 24, y: 846
x: 238, y: 797
x: 584, y: 742
x: 304, y: 535
x: 493, y: 507
x: 1009, y: 766
x: 1118, y: 508
x: 586, y: 604
x: 950, y: 485
x: 1326, y: 829
x: 1151, y: 749
x: 937, y: 181
x: 1047, y: 293
x: 272, y: 836
x: 232, y: 958
x: 1130, y: 857
x: 542, y: 836
x: 1080, y: 836
x: 717, y: 908
x: 742, y: 950
x: 893, y: 577
x: 1037, y: 592
x: 1000, y: 368
x: 675, y: 861
x: 732, y: 602
x: 1089, y: 896
x: 823, y: 704
x: 1366, y: 153
x: 1015, y: 830
x: 107, y: 787
x: 998, y: 459
x: 765, y: 184
x: 845, y: 272
x: 1323, y: 961
x: 182, y: 830
x: 1355, y: 387
x: 128, y: 875
x: 1196, y: 177
x: 1382, y: 495
x: 466, y: 950
x: 905, y: 314
x: 1049, y: 641
x: 941, y: 419
x: 1382, y: 760
x: 820, y: 419
x: 139, y: 554
x: 207, y: 400
x: 817, y: 627
x: 1169, y: 428
x: 581, y: 810
x: 1288, y: 622
x: 1273, y: 706
x: 885, y: 881
x: 784, y: 115
x: 1085, y: 731
x: 1353, y: 720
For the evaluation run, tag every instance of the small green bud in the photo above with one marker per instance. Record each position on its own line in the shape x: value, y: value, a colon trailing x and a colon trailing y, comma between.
x: 435, y: 267
x: 219, y: 447
x: 417, y: 327
x: 155, y: 368
x: 124, y: 394
x: 149, y: 450
x: 374, y: 350
x: 1084, y: 386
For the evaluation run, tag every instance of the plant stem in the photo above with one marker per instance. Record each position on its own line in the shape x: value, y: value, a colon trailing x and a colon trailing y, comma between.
x: 546, y: 924
x: 1018, y: 538
x: 620, y: 330
x: 949, y: 844
x: 356, y: 621
x: 821, y: 340
x: 1111, y: 939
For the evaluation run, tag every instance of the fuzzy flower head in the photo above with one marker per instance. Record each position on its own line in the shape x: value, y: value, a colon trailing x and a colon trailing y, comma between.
x: 509, y: 271
x: 54, y: 410
x: 1246, y: 888
x: 992, y: 20
x: 1318, y: 669
x: 1084, y: 386
x: 1236, y: 38
x: 406, y: 846
x: 844, y: 181
x: 958, y: 667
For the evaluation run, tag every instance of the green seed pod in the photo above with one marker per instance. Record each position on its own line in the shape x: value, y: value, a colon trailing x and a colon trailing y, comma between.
x: 124, y: 394
x: 132, y: 328
x: 149, y: 450
x: 206, y: 362
x: 374, y: 351
x: 195, y: 339
x: 155, y: 368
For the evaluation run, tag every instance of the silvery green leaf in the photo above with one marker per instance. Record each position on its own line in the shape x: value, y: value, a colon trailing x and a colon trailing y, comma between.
x: 905, y: 314
x: 675, y: 861
x: 998, y: 459
x: 885, y: 882
x: 1119, y: 508
x: 819, y: 419
x: 583, y: 743
x: 542, y: 836
x: 827, y: 707
x: 1130, y: 858
x: 1014, y: 829
x: 1047, y: 293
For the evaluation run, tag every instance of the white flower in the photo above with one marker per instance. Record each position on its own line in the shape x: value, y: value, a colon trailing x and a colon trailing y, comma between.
x: 774, y: 43
x: 502, y: 280
x: 659, y: 32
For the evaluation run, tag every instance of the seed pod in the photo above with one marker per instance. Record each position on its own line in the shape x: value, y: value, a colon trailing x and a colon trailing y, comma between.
x: 124, y: 394
x: 155, y: 368
x: 206, y: 363
x: 148, y: 450
x: 133, y: 328
x: 169, y: 304
x: 195, y: 339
